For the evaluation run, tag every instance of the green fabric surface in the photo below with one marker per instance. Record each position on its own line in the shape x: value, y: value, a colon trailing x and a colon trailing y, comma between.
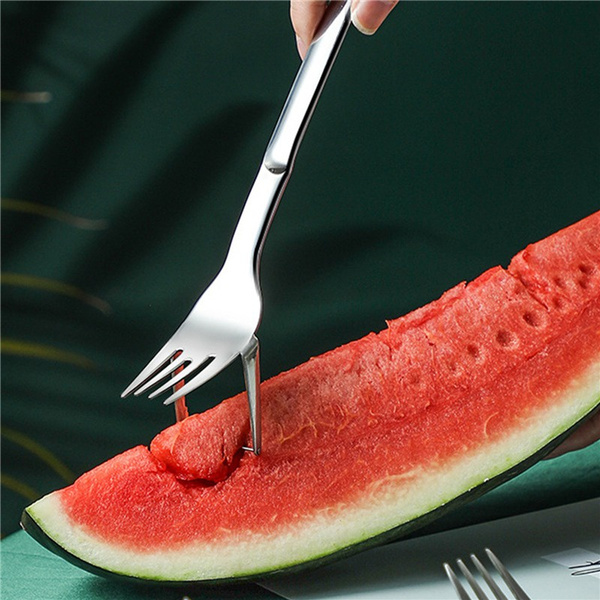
x: 441, y: 146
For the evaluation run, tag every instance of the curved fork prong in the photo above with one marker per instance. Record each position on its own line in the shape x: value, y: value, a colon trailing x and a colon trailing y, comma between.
x: 166, y: 371
x: 186, y: 372
x: 472, y: 581
x: 514, y: 587
x: 456, y: 584
x: 162, y: 358
x: 488, y: 578
x: 251, y: 366
x: 202, y: 377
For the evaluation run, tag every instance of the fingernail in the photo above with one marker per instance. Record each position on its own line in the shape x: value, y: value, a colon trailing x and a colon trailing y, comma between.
x: 368, y: 15
x: 302, y: 47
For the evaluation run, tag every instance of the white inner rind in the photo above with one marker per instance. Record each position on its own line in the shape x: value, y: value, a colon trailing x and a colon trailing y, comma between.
x: 386, y: 504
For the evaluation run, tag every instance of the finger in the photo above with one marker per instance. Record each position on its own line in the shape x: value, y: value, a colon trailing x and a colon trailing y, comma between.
x: 584, y: 435
x: 368, y: 15
x: 306, y: 15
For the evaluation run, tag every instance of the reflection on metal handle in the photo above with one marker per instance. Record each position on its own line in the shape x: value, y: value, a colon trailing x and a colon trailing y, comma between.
x: 276, y: 167
x: 307, y: 87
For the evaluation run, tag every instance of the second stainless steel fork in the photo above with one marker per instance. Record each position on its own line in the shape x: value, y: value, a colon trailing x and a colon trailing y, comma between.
x: 223, y: 323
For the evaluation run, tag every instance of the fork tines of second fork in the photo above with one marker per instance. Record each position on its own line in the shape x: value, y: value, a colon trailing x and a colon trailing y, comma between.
x: 512, y: 585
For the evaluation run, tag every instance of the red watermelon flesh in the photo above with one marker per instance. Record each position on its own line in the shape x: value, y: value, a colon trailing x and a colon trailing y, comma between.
x: 358, y: 441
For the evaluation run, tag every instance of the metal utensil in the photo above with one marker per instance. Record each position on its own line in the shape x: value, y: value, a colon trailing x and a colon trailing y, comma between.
x: 513, y: 586
x: 223, y: 322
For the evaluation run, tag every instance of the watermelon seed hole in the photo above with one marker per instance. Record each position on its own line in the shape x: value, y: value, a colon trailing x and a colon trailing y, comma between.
x: 582, y: 282
x: 505, y: 338
x: 558, y: 302
x: 414, y: 379
x: 586, y: 269
x: 473, y: 351
x: 559, y: 283
x: 532, y: 319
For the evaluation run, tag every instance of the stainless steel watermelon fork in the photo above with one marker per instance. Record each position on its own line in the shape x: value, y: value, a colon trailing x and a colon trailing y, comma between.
x: 223, y: 322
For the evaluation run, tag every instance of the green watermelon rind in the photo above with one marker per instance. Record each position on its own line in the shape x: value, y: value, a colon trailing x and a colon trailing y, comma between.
x: 33, y: 528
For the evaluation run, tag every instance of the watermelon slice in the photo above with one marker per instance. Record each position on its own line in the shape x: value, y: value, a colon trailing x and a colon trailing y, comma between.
x: 361, y: 444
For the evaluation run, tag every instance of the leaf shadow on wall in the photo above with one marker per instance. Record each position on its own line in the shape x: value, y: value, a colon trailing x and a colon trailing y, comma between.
x: 71, y: 149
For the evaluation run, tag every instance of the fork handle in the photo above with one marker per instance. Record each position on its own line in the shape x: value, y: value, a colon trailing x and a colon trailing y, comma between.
x: 277, y: 163
x: 306, y: 89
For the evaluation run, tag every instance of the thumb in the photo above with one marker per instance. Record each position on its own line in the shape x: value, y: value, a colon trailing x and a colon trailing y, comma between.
x: 368, y: 15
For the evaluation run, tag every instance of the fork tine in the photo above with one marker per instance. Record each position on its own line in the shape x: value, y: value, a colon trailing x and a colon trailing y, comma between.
x: 472, y: 581
x: 514, y: 587
x: 488, y: 579
x: 162, y: 358
x: 251, y: 367
x: 167, y: 370
x: 458, y: 587
x: 185, y: 373
x: 202, y: 377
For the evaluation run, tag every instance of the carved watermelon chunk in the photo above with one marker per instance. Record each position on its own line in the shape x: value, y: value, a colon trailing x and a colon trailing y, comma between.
x: 361, y: 444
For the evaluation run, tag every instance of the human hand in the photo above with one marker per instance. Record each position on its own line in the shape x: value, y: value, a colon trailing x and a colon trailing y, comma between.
x: 367, y: 16
x: 584, y: 435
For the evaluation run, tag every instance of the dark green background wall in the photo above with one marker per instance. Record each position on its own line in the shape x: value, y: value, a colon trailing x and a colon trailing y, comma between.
x: 441, y: 146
